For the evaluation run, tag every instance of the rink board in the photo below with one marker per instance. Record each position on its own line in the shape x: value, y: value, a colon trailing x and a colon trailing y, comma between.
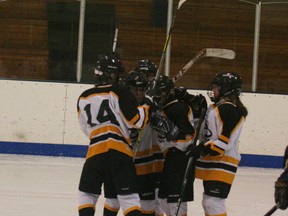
x: 40, y: 118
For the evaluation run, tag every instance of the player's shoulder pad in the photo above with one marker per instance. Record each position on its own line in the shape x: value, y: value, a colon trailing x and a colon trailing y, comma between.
x: 95, y: 90
x: 229, y: 111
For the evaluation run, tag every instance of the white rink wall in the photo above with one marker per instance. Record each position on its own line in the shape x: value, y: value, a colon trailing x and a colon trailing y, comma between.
x: 34, y: 113
x: 40, y: 112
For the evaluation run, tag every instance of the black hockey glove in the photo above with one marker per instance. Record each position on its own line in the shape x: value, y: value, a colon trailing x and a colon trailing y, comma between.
x: 196, y: 102
x: 197, y: 151
x: 180, y: 92
x: 281, y: 190
x: 152, y: 102
x: 166, y: 128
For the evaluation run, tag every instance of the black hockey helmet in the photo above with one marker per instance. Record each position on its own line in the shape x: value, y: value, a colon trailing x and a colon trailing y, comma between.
x: 137, y: 80
x: 164, y: 84
x: 229, y: 83
x: 107, y: 69
x: 147, y: 67
x: 137, y: 83
x: 164, y: 90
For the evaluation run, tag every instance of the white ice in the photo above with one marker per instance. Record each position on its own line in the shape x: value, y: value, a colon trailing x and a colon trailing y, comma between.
x: 47, y: 186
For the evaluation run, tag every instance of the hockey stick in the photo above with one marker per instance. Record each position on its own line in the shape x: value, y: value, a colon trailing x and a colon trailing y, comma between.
x: 190, y: 161
x: 272, y: 210
x: 166, y: 43
x: 115, y: 38
x: 137, y: 145
x: 208, y: 52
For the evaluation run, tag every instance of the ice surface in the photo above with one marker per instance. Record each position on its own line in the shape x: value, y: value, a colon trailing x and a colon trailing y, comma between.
x: 47, y: 186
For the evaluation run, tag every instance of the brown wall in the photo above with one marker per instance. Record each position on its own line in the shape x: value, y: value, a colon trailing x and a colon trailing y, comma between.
x: 199, y: 24
x: 23, y: 40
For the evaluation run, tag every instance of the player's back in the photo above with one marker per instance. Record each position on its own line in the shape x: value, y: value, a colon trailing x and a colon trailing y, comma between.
x: 106, y: 113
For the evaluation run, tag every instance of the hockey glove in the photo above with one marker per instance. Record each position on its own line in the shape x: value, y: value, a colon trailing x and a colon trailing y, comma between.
x: 165, y: 127
x: 196, y: 102
x: 197, y: 151
x: 152, y: 103
x: 281, y: 190
x: 180, y: 92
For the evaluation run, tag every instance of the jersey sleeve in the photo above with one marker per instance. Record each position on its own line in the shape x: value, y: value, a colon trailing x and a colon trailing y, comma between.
x: 81, y: 118
x: 228, y: 116
x: 179, y: 114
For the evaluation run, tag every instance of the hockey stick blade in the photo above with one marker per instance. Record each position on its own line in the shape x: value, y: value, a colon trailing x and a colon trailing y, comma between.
x: 180, y: 3
x: 220, y: 53
x: 208, y: 52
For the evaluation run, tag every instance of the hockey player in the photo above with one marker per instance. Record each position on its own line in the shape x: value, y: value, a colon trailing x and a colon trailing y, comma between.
x: 281, y: 185
x: 175, y: 140
x: 219, y: 146
x: 106, y: 113
x: 148, y: 158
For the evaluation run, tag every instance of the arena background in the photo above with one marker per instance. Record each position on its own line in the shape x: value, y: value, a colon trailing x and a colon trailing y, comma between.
x: 39, y: 39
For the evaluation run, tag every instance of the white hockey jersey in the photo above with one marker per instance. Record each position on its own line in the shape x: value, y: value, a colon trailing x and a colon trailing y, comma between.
x: 223, y: 125
x: 148, y: 156
x: 106, y: 113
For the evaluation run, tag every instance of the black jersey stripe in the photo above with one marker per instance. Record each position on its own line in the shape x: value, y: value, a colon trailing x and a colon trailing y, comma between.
x: 106, y: 136
x: 143, y: 160
x: 158, y: 156
x: 209, y: 165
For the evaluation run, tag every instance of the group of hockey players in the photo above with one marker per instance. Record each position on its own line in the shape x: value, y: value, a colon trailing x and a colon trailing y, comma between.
x: 143, y: 131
